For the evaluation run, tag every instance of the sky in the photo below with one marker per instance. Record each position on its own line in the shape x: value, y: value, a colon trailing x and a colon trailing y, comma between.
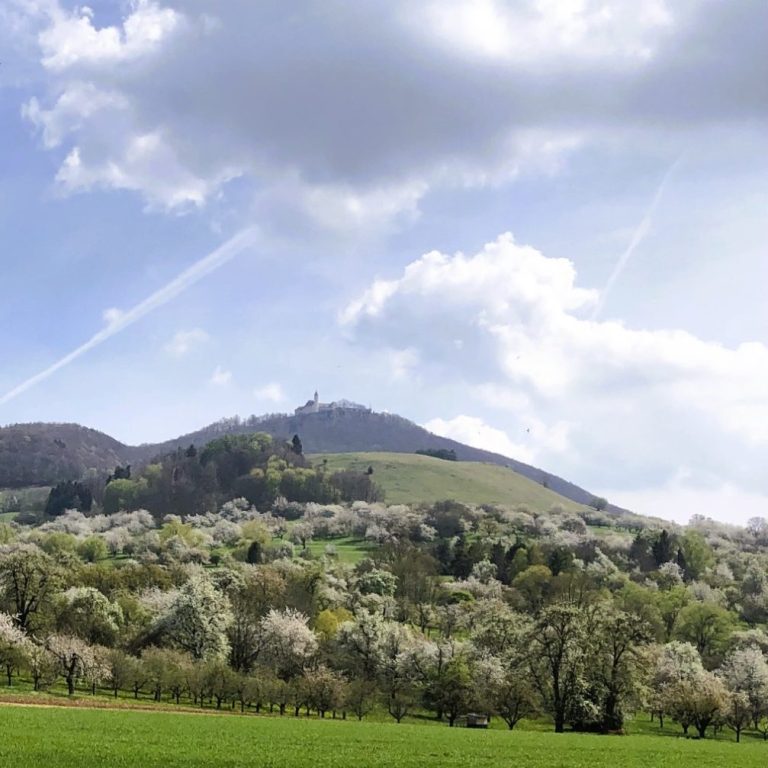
x: 538, y: 227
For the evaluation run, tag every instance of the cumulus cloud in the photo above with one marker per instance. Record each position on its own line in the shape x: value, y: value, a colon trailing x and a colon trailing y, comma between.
x: 271, y: 393
x: 548, y: 29
x: 475, y: 432
x: 367, y: 107
x: 598, y: 397
x: 184, y: 342
x: 73, y: 39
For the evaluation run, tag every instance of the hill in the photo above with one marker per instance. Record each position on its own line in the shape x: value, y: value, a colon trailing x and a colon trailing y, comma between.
x: 353, y: 431
x: 408, y: 478
x: 44, y: 454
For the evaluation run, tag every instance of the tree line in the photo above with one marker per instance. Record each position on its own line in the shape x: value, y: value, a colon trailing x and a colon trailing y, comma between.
x: 576, y: 617
x: 256, y: 467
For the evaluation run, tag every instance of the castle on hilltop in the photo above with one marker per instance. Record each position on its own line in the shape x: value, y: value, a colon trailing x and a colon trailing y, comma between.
x: 315, y: 406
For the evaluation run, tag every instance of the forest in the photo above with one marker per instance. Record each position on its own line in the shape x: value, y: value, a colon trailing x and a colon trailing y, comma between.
x: 254, y: 467
x: 211, y: 579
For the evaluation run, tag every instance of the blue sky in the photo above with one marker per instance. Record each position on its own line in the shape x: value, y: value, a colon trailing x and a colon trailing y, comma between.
x: 376, y: 155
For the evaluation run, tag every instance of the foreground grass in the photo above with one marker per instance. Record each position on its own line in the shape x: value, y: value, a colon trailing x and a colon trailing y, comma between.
x: 79, y: 738
x: 410, y: 478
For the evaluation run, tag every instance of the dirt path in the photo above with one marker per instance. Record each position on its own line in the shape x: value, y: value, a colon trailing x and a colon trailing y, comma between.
x: 21, y: 701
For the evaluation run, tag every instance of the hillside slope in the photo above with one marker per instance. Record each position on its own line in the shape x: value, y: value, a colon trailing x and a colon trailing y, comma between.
x: 44, y: 454
x: 349, y: 431
x: 408, y: 478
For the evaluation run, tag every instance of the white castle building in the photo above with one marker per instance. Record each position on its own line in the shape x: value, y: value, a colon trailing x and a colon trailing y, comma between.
x: 315, y: 406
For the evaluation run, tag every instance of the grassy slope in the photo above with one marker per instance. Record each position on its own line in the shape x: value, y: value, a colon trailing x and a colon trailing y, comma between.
x: 409, y: 478
x: 77, y: 738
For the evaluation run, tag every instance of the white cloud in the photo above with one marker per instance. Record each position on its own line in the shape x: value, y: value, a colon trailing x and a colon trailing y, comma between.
x: 136, y: 169
x: 184, y: 341
x: 344, y: 208
x: 601, y: 400
x: 174, y: 101
x: 543, y: 30
x: 73, y: 39
x: 221, y: 377
x: 475, y: 432
x: 271, y: 393
x: 79, y: 102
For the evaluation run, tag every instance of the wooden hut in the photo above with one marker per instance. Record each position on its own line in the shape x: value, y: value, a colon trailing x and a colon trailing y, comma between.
x: 476, y: 720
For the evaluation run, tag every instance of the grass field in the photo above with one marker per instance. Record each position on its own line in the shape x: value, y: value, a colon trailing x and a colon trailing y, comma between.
x: 81, y: 738
x: 409, y: 478
x: 348, y: 550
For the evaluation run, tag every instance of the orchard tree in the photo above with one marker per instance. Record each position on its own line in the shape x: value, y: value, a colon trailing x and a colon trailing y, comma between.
x: 534, y: 585
x: 119, y: 670
x: 676, y: 663
x: 558, y: 642
x: 42, y: 666
x: 745, y: 671
x: 395, y: 679
x: 87, y: 613
x: 250, y: 596
x: 697, y: 701
x: 324, y: 689
x: 616, y: 662
x: 198, y: 619
x: 222, y: 680
x: 302, y: 533
x: 14, y: 646
x: 359, y: 641
x: 27, y: 579
x: 503, y: 686
x: 442, y: 671
x: 671, y: 603
x: 708, y: 627
x: 498, y: 630
x: 97, y: 669
x: 93, y: 549
x: 288, y: 642
x: 738, y: 713
x: 695, y: 555
x: 74, y: 658
x: 359, y: 697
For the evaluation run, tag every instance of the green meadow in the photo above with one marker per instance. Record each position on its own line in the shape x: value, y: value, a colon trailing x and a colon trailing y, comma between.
x: 81, y: 738
x: 408, y: 478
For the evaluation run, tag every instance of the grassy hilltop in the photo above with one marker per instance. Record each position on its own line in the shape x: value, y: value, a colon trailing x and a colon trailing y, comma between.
x: 411, y: 478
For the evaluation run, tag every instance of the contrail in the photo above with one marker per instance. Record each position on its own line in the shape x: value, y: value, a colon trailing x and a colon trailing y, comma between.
x: 179, y: 284
x: 637, y: 238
